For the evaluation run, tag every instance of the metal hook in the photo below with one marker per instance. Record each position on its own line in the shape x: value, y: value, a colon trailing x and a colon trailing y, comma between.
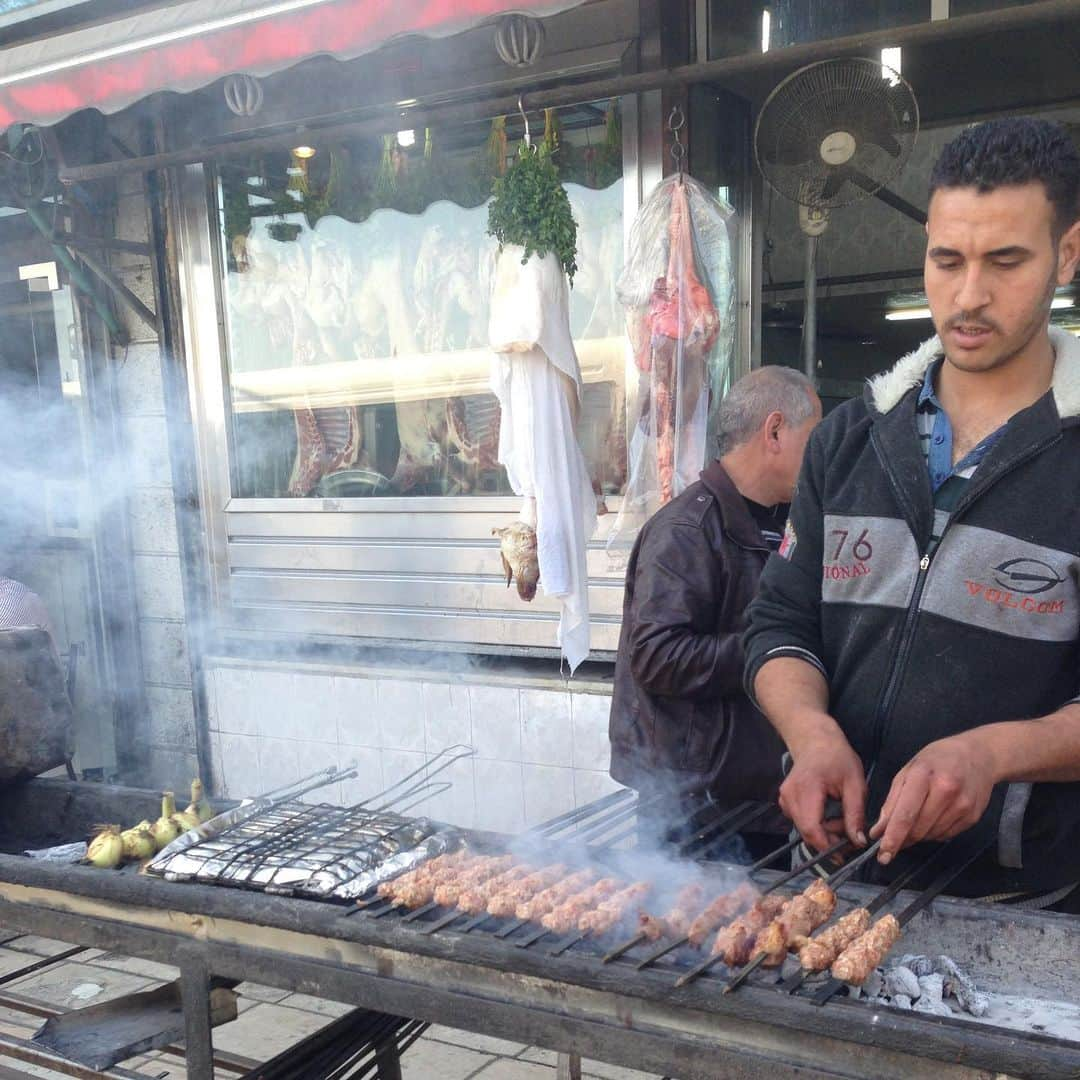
x: 525, y: 119
x: 676, y: 122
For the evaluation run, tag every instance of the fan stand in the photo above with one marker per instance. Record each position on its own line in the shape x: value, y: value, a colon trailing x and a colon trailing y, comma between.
x: 813, y: 221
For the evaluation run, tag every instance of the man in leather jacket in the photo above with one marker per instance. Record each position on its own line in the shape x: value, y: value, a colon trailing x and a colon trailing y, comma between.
x: 681, y: 722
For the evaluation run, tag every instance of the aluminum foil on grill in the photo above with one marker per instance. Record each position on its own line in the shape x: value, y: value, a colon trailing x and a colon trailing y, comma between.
x: 291, y: 847
x: 438, y: 844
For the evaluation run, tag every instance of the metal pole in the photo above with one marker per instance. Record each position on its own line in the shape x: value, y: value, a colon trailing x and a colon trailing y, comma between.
x: 810, y: 308
x: 198, y: 1040
x: 569, y: 1067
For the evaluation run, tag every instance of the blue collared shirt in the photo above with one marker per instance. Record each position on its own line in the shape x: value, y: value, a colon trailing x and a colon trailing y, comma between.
x: 936, y: 435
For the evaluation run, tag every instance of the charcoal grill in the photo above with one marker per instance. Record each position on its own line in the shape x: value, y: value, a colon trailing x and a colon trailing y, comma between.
x: 470, y: 974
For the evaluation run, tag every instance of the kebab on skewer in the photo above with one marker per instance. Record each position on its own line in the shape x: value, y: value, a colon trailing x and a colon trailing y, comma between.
x: 564, y: 918
x: 720, y: 911
x: 819, y: 953
x: 474, y: 899
x: 735, y: 942
x: 417, y: 888
x: 446, y: 894
x: 867, y: 951
x: 610, y: 912
x: 798, y: 918
x: 503, y: 902
x: 534, y: 909
x: 676, y: 921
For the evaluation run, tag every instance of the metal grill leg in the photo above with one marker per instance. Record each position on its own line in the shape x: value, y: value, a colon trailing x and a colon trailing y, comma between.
x: 569, y: 1067
x: 388, y: 1062
x: 198, y: 1042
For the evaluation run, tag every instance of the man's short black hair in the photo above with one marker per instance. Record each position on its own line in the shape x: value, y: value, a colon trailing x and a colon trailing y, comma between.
x: 1011, y: 151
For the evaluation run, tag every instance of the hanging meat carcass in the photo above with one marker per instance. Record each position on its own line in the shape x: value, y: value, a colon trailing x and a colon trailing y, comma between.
x: 678, y: 293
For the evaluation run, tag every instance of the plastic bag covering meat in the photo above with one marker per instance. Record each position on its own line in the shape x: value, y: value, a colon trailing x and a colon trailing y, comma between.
x: 536, y: 377
x: 678, y: 292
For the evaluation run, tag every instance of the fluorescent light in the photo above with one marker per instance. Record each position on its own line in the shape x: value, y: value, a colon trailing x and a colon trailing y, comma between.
x: 406, y: 138
x: 904, y: 314
x: 766, y: 29
x: 891, y: 61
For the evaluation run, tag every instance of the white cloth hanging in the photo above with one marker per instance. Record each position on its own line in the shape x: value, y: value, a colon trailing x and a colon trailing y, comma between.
x: 537, y: 379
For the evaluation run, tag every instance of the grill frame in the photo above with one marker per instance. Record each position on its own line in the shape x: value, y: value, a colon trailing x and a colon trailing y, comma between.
x: 479, y: 983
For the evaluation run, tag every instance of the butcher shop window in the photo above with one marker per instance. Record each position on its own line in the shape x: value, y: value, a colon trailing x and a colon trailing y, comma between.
x: 356, y: 278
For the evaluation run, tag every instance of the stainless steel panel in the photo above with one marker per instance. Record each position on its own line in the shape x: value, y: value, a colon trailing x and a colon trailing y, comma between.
x: 385, y: 556
x: 405, y: 588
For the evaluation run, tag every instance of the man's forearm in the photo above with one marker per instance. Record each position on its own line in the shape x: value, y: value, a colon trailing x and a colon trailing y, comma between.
x: 794, y: 696
x: 1046, y: 749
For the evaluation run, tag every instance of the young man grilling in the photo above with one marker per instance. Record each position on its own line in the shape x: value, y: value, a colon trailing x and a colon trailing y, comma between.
x: 681, y: 724
x: 918, y: 646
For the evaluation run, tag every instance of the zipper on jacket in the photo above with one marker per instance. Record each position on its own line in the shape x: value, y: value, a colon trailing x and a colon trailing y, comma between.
x: 900, y: 663
x: 884, y: 710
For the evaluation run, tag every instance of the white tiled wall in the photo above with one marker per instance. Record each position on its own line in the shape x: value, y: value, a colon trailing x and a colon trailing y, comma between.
x: 540, y: 752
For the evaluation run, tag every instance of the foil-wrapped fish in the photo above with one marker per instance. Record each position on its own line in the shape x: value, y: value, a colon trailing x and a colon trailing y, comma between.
x: 438, y: 844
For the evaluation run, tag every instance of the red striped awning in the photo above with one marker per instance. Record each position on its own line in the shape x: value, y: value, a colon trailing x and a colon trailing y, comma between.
x: 188, y: 45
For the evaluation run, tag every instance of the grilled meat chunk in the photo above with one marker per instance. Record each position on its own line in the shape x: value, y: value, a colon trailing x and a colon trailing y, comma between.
x: 867, y: 951
x: 563, y: 919
x: 800, y: 916
x: 447, y: 892
x: 818, y: 954
x: 607, y: 915
x: 676, y: 921
x: 504, y: 903
x: 720, y: 911
x: 535, y: 909
x: 474, y: 899
x: 735, y: 942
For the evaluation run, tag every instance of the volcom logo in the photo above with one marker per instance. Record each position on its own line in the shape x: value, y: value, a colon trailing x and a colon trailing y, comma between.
x: 1028, y: 576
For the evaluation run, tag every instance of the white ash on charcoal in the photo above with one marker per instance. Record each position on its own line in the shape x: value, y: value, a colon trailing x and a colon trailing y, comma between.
x: 925, y: 984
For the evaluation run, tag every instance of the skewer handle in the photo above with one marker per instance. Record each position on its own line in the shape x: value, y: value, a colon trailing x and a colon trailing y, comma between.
x: 625, y: 947
x: 795, y: 871
x: 697, y: 972
x: 533, y: 937
x: 567, y: 944
x: 745, y: 972
x: 654, y: 956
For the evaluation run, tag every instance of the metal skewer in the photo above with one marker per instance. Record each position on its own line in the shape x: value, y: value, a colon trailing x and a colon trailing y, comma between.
x: 884, y: 897
x: 625, y: 947
x: 793, y: 873
x: 524, y: 943
x: 834, y: 881
x: 930, y: 893
x: 729, y: 825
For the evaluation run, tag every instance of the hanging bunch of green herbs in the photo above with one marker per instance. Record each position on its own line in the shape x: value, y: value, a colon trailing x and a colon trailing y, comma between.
x: 531, y: 208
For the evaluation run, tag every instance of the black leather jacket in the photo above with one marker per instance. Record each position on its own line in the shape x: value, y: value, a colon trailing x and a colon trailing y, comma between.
x: 680, y: 719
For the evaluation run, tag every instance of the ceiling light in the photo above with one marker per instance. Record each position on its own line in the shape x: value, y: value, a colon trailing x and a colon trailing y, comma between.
x: 891, y: 59
x: 766, y: 29
x: 904, y: 314
x: 406, y: 138
x: 304, y: 152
